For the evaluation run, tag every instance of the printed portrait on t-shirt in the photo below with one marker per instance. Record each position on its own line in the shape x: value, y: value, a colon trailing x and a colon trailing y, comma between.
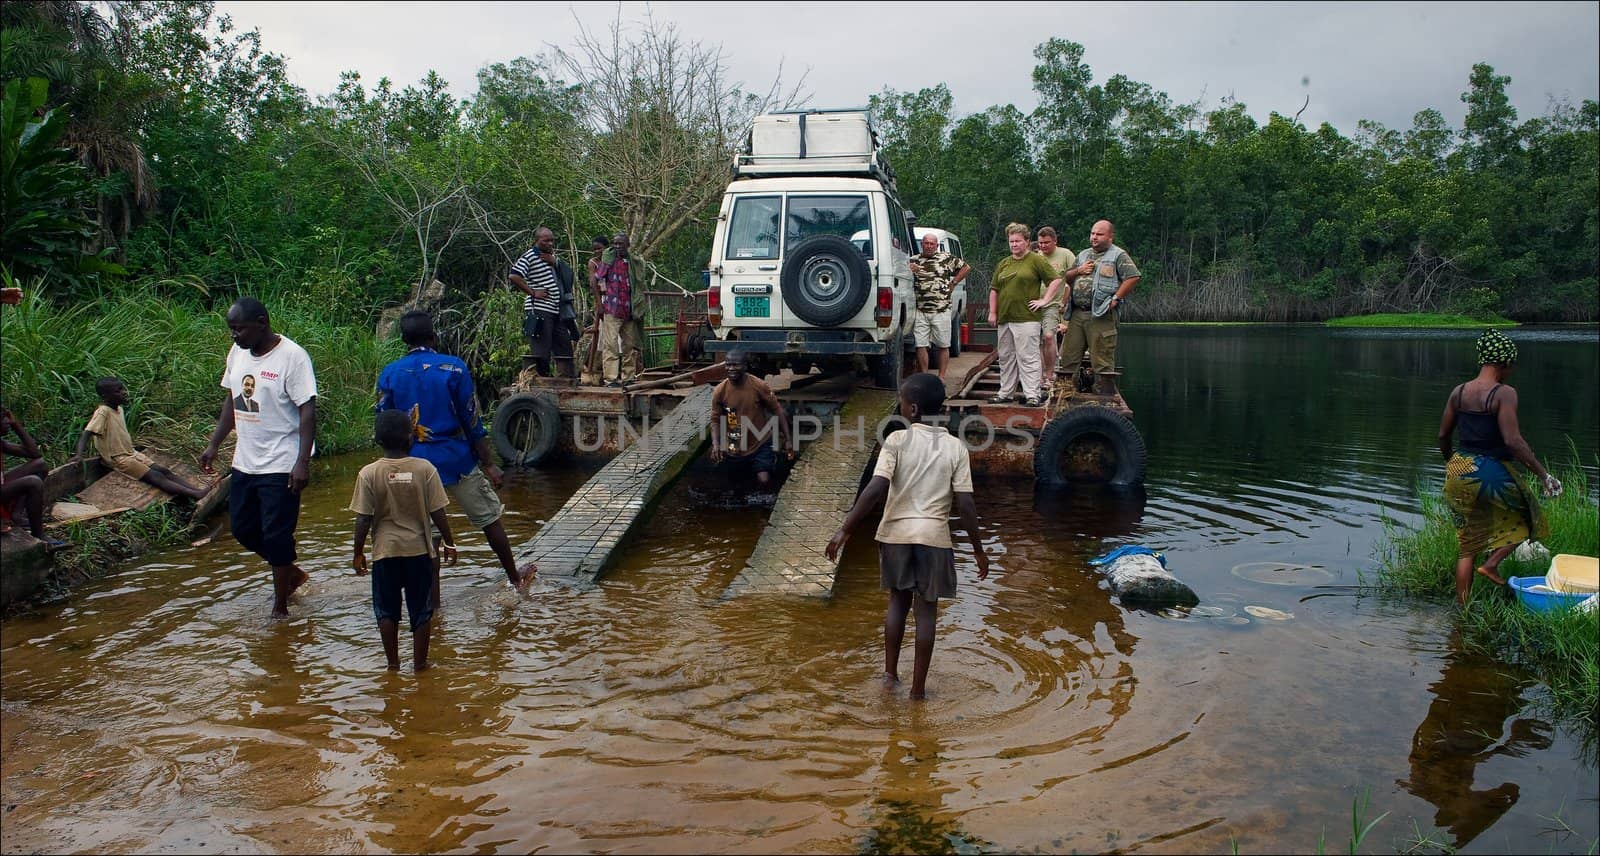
x: 246, y: 399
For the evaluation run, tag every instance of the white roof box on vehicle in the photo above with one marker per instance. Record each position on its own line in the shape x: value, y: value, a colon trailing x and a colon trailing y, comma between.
x: 813, y: 142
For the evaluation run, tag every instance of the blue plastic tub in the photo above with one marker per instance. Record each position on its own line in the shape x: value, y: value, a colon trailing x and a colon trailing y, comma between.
x: 1542, y: 601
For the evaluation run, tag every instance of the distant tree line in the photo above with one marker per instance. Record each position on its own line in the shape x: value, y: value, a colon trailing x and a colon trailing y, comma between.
x: 152, y: 146
x: 1231, y: 219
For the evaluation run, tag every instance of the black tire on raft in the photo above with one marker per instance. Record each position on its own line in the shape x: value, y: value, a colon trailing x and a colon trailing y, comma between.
x: 1089, y: 445
x: 825, y: 281
x: 955, y: 336
x: 525, y: 428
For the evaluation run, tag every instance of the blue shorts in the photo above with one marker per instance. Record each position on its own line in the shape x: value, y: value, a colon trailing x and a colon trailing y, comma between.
x: 263, y: 513
x: 412, y: 575
x: 762, y: 460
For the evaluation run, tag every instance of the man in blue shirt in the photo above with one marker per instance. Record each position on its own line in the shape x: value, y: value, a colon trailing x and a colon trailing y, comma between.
x: 437, y: 389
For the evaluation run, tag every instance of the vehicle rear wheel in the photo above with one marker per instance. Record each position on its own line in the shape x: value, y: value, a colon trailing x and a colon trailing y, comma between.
x: 1089, y: 445
x: 888, y: 369
x: 825, y: 281
x: 955, y: 335
x: 525, y: 428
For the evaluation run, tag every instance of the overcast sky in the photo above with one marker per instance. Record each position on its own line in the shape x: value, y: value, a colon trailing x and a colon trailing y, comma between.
x: 1382, y: 61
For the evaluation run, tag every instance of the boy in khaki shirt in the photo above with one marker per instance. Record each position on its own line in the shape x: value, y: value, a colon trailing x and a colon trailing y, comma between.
x: 922, y: 471
x: 395, y: 498
x: 114, y: 445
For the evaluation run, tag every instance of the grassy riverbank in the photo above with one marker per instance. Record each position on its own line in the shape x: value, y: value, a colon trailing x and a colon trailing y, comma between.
x: 1563, y: 647
x: 1419, y: 319
x: 170, y: 355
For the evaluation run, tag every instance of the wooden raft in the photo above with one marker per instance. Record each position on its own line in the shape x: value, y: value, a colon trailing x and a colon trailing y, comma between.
x: 578, y: 542
x: 789, y: 558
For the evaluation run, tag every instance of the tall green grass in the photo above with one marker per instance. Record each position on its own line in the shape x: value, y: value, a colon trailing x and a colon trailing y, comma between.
x: 170, y: 356
x: 1562, y: 647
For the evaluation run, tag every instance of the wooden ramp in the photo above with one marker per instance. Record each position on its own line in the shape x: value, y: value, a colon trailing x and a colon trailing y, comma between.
x: 577, y: 543
x: 822, y: 486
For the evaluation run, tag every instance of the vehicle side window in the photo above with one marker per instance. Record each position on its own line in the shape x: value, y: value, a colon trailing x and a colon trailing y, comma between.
x: 828, y: 215
x: 753, y: 227
x: 897, y: 219
x: 955, y: 248
x: 903, y: 232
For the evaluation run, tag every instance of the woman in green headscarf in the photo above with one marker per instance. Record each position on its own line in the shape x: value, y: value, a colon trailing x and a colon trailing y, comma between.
x: 1492, y: 508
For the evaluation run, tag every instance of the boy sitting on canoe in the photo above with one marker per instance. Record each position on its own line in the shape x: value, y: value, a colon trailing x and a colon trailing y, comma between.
x: 115, y: 446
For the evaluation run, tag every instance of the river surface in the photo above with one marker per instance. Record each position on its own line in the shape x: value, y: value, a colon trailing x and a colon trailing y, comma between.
x: 162, y: 711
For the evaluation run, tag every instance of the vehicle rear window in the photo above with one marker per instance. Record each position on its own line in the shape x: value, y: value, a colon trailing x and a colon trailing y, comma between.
x: 753, y: 228
x: 828, y: 215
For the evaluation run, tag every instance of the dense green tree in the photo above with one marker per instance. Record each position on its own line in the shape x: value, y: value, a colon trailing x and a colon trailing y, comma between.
x: 209, y: 172
x: 43, y: 190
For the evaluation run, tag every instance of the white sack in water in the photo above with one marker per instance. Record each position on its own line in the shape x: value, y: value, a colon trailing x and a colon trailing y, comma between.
x: 1142, y: 579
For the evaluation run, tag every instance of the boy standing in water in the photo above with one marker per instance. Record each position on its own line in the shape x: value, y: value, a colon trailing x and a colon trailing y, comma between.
x: 921, y: 472
x: 395, y: 498
x: 114, y: 445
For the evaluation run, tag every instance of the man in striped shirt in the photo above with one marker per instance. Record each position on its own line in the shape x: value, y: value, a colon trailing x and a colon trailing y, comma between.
x: 539, y: 276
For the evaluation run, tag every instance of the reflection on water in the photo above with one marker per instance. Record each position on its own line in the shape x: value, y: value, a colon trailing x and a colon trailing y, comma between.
x: 1473, y: 718
x: 161, y: 710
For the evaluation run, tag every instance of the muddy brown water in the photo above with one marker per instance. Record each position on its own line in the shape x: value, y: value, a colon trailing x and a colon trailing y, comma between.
x: 162, y: 711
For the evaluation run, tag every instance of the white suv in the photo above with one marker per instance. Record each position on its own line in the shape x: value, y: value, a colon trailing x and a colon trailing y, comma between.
x: 786, y: 283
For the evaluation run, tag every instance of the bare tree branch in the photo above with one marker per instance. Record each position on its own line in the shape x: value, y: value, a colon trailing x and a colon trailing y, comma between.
x: 660, y: 123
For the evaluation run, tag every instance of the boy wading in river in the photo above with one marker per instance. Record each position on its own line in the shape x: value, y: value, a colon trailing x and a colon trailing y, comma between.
x: 395, y: 498
x: 921, y: 472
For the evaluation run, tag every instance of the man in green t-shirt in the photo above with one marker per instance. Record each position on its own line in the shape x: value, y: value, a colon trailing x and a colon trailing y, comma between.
x: 1014, y: 309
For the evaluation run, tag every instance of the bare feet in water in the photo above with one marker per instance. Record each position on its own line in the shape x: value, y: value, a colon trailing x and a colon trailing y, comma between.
x: 525, y: 576
x: 300, y: 578
x: 1490, y: 575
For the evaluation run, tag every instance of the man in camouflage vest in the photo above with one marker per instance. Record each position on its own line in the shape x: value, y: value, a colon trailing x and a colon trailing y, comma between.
x: 937, y: 276
x: 1100, y: 282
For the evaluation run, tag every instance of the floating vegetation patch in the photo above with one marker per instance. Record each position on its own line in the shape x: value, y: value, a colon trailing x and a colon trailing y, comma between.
x: 904, y: 827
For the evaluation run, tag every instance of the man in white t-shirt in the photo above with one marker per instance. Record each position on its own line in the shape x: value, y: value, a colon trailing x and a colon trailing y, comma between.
x: 271, y: 403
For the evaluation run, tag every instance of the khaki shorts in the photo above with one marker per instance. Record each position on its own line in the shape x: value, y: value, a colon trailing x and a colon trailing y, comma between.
x: 931, y: 327
x: 477, y: 498
x: 133, y: 465
x: 1051, y: 319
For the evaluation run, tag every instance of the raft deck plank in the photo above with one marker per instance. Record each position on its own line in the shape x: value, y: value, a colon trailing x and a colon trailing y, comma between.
x: 577, y: 543
x: 789, y: 558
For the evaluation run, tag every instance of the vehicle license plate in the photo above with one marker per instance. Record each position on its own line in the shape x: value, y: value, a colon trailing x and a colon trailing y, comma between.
x: 751, y: 307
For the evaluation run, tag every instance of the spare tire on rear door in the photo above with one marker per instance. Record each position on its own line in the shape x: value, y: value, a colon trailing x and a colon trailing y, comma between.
x: 825, y: 281
x: 525, y: 428
x: 1089, y: 445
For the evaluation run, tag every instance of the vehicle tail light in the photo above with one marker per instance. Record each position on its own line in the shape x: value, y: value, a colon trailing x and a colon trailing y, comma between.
x: 714, y: 305
x: 885, y: 311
